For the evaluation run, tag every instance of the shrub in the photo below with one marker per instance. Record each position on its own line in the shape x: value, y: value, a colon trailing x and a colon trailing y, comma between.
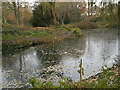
x: 85, y: 25
x: 67, y: 27
x: 76, y: 31
x: 62, y: 83
x: 112, y: 25
x: 96, y: 19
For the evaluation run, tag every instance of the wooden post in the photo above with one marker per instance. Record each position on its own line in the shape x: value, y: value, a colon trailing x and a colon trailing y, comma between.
x: 81, y: 72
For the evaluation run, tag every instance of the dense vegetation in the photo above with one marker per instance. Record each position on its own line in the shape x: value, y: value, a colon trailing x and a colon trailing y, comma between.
x: 41, y: 16
x: 54, y: 13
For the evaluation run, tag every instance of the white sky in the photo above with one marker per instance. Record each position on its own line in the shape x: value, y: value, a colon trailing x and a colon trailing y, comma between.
x: 32, y: 1
x: 98, y: 1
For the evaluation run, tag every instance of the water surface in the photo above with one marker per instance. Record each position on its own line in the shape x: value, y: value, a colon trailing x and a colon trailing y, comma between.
x: 96, y: 48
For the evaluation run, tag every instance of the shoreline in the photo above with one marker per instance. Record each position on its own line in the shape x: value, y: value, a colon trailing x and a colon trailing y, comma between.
x: 17, y: 43
x: 94, y: 81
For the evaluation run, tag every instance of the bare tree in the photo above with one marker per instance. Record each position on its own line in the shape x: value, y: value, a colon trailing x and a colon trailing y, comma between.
x: 16, y: 7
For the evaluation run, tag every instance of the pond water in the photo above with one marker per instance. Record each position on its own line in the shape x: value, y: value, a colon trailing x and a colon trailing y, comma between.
x: 96, y: 48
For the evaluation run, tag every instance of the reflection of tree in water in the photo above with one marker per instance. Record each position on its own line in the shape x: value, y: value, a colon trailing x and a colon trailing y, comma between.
x: 100, y: 45
x: 109, y: 45
x: 74, y: 47
x: 51, y: 54
x: 22, y: 66
x: 48, y: 56
x: 14, y: 68
x: 88, y: 43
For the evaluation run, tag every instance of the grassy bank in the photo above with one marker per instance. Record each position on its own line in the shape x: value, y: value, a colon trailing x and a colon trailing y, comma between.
x: 109, y: 78
x: 16, y: 37
x: 19, y: 37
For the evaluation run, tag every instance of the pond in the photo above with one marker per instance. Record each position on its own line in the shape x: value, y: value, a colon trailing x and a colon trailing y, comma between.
x: 96, y: 48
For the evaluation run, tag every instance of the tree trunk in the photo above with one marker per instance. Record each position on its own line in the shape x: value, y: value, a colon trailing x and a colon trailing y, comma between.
x: 16, y: 12
x: 52, y: 9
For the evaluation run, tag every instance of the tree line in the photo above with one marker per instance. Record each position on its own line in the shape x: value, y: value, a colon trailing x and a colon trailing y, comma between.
x: 55, y: 13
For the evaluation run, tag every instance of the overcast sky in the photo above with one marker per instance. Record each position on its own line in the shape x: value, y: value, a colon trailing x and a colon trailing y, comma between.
x: 32, y: 1
x: 98, y: 1
x: 69, y: 0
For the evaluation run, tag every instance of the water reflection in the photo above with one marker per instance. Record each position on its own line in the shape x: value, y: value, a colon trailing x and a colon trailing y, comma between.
x: 48, y: 56
x: 96, y: 48
x: 102, y: 49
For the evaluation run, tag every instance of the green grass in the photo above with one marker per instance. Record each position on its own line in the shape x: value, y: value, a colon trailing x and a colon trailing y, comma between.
x: 107, y: 79
x: 17, y: 34
x: 10, y: 32
x: 19, y: 37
